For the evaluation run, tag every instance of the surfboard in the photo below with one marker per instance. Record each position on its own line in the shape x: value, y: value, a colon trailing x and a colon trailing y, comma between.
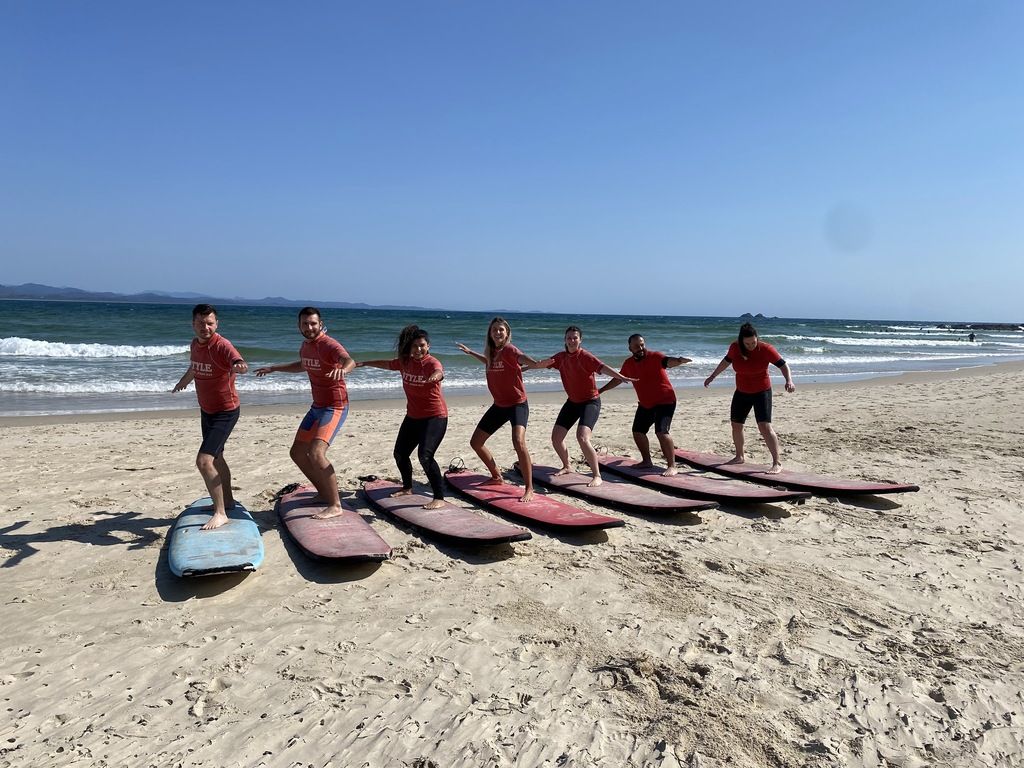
x: 235, y: 546
x: 819, y: 485
x: 617, y: 493
x: 543, y: 510
x: 346, y: 538
x: 698, y: 485
x: 449, y: 522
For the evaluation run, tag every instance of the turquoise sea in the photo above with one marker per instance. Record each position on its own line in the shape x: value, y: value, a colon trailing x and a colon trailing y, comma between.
x: 80, y: 357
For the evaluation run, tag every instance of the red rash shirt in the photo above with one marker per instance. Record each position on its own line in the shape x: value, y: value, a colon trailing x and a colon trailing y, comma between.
x: 423, y: 398
x: 653, y: 387
x: 211, y: 369
x: 752, y: 373
x: 505, y: 377
x: 319, y: 357
x: 577, y: 371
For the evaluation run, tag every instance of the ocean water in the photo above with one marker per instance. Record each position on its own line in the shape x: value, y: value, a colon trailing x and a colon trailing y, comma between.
x: 84, y: 357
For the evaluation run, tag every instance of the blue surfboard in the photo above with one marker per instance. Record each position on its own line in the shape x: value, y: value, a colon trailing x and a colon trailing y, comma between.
x: 235, y: 546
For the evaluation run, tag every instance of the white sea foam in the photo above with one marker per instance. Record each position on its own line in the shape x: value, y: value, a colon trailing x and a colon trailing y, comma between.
x: 869, y: 342
x: 16, y: 346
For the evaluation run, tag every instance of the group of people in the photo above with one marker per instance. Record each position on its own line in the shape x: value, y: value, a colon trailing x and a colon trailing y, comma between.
x: 214, y: 364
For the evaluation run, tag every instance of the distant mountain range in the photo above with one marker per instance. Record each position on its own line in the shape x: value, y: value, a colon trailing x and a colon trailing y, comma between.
x: 50, y: 293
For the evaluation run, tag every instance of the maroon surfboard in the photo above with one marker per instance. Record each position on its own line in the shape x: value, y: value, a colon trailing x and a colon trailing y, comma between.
x: 617, y: 493
x: 698, y: 485
x: 542, y: 509
x: 819, y: 485
x: 449, y: 522
x: 346, y: 538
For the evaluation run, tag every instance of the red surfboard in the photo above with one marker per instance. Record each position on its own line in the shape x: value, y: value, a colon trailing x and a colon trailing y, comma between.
x: 346, y: 538
x: 819, y: 485
x: 543, y: 510
x: 449, y: 522
x: 698, y: 484
x: 617, y: 493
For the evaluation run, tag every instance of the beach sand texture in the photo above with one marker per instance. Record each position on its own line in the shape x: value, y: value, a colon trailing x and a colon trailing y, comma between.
x: 862, y: 632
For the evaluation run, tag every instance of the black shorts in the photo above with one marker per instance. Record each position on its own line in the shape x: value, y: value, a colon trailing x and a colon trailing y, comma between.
x: 498, y: 416
x: 742, y: 402
x: 216, y: 430
x: 660, y: 416
x: 585, y: 413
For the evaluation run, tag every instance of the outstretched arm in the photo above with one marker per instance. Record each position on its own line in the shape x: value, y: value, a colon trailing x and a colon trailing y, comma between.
x: 721, y: 367
x: 672, y: 362
x: 471, y: 353
x: 185, y: 380
x: 607, y: 369
x: 612, y: 384
x: 295, y: 367
x: 385, y: 364
x: 530, y: 364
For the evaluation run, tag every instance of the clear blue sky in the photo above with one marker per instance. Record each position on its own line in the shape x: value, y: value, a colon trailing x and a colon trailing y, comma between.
x: 817, y: 159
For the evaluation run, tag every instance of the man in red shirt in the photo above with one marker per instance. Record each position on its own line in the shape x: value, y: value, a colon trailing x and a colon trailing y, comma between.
x: 656, y: 399
x: 326, y: 362
x: 213, y: 366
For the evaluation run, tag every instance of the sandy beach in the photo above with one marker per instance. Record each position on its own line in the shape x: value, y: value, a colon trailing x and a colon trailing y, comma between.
x: 856, y: 632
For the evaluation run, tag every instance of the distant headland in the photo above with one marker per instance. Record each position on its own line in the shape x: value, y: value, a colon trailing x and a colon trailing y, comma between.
x: 36, y: 291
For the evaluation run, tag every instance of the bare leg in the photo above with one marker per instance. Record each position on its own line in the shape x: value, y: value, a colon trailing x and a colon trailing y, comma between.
x: 525, y: 463
x: 644, y: 446
x: 583, y: 438
x: 737, y: 440
x: 435, y: 504
x: 208, y: 468
x: 772, y: 441
x: 558, y: 443
x: 477, y: 443
x: 311, y: 459
x: 668, y: 448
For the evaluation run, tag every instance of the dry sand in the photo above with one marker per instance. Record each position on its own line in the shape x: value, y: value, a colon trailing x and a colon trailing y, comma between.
x: 863, y: 632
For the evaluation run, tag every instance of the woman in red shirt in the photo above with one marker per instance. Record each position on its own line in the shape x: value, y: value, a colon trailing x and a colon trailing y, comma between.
x: 504, y: 364
x: 577, y: 367
x: 426, y: 419
x: 750, y: 358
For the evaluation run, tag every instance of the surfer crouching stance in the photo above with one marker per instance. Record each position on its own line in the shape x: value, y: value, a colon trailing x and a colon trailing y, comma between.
x: 750, y: 358
x: 656, y: 399
x: 426, y: 419
x: 577, y: 368
x: 213, y: 365
x: 504, y: 364
x: 326, y: 362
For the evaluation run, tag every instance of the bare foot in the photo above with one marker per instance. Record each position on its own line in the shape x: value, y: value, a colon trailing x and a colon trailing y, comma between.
x: 736, y: 460
x: 435, y: 504
x: 494, y: 481
x: 528, y: 496
x: 329, y: 512
x: 562, y: 471
x: 774, y: 470
x: 218, y: 519
x: 402, y: 492
x: 595, y: 482
x: 670, y: 472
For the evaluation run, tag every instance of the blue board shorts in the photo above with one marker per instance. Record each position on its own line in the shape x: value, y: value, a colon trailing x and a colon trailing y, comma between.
x: 321, y: 424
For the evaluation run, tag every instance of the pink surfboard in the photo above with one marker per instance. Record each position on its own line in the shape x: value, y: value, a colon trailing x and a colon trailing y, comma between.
x: 819, y: 485
x: 543, y: 510
x: 617, y: 493
x: 698, y: 484
x: 448, y: 522
x: 346, y: 538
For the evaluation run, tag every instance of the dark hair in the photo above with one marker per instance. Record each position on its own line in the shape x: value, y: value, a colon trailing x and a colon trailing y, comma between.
x: 489, y: 348
x: 747, y: 330
x: 202, y: 310
x: 305, y: 311
x: 633, y: 337
x: 569, y: 330
x: 406, y: 337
